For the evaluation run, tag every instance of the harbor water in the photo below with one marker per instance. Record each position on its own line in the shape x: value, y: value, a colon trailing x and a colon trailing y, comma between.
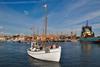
x: 74, y: 54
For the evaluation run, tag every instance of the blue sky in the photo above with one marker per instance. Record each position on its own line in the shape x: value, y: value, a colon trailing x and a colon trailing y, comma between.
x: 19, y: 16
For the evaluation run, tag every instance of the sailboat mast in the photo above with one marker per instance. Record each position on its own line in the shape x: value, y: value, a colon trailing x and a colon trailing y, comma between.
x: 45, y: 25
x: 46, y: 20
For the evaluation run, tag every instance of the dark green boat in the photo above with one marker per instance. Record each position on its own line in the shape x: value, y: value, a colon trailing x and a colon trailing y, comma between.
x: 87, y: 35
x: 91, y: 40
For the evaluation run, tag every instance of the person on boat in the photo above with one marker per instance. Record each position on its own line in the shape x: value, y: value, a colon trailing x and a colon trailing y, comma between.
x: 51, y: 47
x: 41, y: 48
x: 54, y: 46
x: 32, y: 46
x: 47, y: 50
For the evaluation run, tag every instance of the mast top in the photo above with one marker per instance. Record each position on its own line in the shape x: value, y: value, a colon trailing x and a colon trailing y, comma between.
x: 45, y: 5
x: 87, y: 23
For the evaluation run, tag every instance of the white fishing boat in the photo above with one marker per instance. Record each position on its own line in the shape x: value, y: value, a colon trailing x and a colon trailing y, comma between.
x: 47, y: 53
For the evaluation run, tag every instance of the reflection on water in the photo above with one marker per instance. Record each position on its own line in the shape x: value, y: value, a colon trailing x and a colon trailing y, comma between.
x: 40, y: 63
x: 88, y: 55
x: 86, y: 48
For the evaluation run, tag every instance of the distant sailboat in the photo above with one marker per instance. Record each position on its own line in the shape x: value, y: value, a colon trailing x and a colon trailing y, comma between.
x: 48, y: 53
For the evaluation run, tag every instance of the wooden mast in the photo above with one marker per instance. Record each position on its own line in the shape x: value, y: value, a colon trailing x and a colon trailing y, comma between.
x: 45, y: 24
x: 46, y: 19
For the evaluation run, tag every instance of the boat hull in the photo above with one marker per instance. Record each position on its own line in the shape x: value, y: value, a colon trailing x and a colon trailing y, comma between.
x: 54, y: 55
x: 90, y: 40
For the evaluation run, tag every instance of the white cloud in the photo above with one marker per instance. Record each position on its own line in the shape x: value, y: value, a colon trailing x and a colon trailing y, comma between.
x: 68, y: 9
x: 76, y: 5
x: 16, y: 22
x: 96, y: 26
x: 83, y: 18
x: 26, y: 12
x: 16, y: 18
x: 1, y: 27
x: 20, y: 2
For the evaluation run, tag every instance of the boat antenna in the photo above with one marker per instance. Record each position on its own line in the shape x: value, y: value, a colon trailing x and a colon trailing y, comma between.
x: 87, y: 23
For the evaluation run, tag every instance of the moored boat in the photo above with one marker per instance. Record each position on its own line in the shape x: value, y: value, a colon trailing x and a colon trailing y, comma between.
x: 87, y: 35
x: 95, y: 40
